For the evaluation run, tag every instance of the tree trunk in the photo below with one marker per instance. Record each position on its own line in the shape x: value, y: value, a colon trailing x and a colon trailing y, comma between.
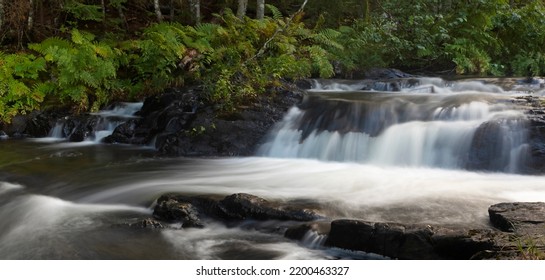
x: 260, y: 10
x: 30, y: 22
x: 122, y: 16
x: 1, y: 14
x: 158, y: 10
x: 366, y: 11
x: 195, y: 6
x: 171, y: 10
x: 242, y: 6
x: 103, y: 7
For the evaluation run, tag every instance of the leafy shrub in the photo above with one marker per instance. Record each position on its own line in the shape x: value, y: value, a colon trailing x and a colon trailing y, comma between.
x: 83, y: 71
x: 20, y: 89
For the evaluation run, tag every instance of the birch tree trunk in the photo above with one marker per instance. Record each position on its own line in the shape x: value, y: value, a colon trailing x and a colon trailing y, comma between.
x: 158, y: 10
x: 195, y: 6
x: 242, y: 7
x: 260, y: 11
x: 30, y: 22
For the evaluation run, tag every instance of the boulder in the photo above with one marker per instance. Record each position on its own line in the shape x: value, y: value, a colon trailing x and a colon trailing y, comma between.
x: 526, y: 218
x: 243, y: 206
x: 399, y: 241
x: 176, y: 209
x: 191, y: 211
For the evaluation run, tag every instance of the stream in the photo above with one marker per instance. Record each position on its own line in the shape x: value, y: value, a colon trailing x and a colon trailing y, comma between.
x: 410, y: 156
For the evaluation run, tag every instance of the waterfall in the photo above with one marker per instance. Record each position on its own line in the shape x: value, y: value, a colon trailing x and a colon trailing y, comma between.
x: 95, y: 127
x: 468, y: 125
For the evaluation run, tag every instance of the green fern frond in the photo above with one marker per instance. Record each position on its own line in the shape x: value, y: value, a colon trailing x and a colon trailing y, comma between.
x: 276, y: 14
x: 49, y: 43
x: 328, y: 37
x: 207, y: 29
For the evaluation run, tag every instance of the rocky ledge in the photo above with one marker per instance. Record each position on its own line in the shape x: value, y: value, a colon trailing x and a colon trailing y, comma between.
x: 180, y: 124
x: 177, y: 122
x: 518, y: 232
x: 517, y: 229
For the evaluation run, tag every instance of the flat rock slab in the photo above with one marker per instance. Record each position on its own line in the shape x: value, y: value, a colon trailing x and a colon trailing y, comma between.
x: 408, y: 241
x: 520, y: 217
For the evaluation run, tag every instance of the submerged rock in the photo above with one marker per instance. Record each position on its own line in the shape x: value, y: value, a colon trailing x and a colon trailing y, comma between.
x: 174, y: 211
x: 147, y: 224
x: 192, y: 211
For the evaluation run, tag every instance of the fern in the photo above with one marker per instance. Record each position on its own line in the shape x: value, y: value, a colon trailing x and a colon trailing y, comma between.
x: 83, y: 11
x: 328, y: 37
x: 276, y: 14
x: 19, y: 75
x: 82, y: 68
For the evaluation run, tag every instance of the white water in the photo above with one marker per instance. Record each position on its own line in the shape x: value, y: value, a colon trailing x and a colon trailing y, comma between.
x: 108, y: 121
x: 396, y: 158
x: 410, y: 132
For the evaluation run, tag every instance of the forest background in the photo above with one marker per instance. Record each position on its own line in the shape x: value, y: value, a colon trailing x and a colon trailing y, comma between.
x: 85, y: 54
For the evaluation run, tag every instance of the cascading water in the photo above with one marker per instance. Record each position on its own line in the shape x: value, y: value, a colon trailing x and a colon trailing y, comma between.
x: 407, y: 157
x: 406, y: 129
x: 102, y: 127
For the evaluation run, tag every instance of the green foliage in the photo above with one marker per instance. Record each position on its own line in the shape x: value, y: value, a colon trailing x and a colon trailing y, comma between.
x: 20, y: 92
x: 167, y: 54
x: 249, y: 56
x: 82, y: 11
x: 83, y: 71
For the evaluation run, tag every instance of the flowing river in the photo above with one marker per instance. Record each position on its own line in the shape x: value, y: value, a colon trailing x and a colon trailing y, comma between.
x: 419, y: 155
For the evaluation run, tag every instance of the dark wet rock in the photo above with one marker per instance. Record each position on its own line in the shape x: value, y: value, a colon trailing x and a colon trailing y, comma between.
x: 401, y: 241
x: 246, y: 206
x: 235, y: 134
x: 193, y: 211
x: 522, y: 236
x: 536, y: 142
x: 385, y: 73
x: 303, y: 84
x: 80, y: 128
x: 147, y: 224
x: 520, y: 217
x: 35, y: 124
x: 3, y: 135
x: 387, y: 239
x: 492, y: 143
x: 463, y: 244
x: 298, y: 232
x: 173, y: 210
x: 183, y: 125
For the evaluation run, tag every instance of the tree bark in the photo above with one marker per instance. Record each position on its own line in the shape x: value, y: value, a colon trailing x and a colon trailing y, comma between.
x: 242, y: 7
x: 1, y: 13
x: 103, y: 7
x: 122, y: 16
x: 158, y: 10
x: 171, y: 10
x: 260, y: 11
x: 195, y: 10
x: 30, y: 22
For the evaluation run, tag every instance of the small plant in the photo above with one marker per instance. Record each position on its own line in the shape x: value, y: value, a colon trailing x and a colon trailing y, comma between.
x: 529, y: 249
